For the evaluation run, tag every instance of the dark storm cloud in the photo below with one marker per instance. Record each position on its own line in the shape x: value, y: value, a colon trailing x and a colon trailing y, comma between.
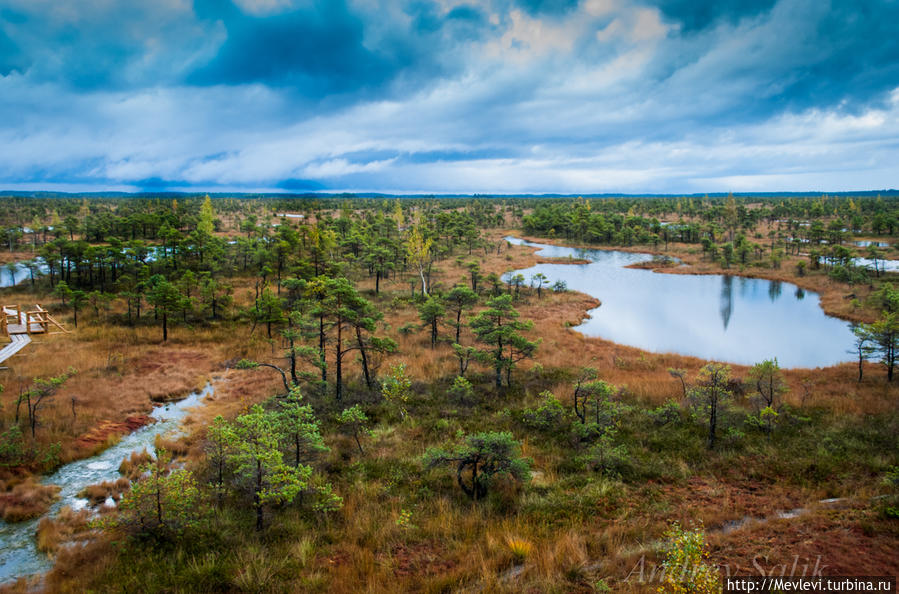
x: 537, y: 7
x: 92, y: 45
x: 695, y: 15
x: 315, y: 48
x: 852, y: 56
x: 322, y: 49
x: 318, y: 50
x: 756, y: 64
x: 10, y: 56
x: 300, y: 185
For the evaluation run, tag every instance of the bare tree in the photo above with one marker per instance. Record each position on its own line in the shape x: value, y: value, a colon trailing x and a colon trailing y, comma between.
x: 40, y: 393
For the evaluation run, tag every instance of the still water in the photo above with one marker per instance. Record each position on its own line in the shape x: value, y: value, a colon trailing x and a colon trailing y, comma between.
x: 713, y: 317
x: 13, y: 274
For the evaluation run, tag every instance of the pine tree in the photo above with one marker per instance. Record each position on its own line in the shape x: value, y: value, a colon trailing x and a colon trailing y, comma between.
x: 431, y: 312
x: 258, y: 463
x: 166, y: 298
x: 499, y: 327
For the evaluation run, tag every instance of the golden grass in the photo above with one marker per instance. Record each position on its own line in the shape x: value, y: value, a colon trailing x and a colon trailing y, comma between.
x: 26, y: 500
x: 521, y: 548
x: 175, y: 447
x: 100, y: 492
x: 121, y: 372
x: 92, y: 555
x: 259, y: 571
x: 130, y: 467
x: 644, y: 375
x: 67, y: 525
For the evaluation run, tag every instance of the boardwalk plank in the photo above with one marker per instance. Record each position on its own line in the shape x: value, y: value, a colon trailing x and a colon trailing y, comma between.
x: 19, y: 341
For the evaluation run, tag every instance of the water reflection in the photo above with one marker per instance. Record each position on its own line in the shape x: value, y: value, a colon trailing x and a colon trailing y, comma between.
x: 727, y: 299
x: 774, y: 289
x: 759, y: 319
x: 15, y: 273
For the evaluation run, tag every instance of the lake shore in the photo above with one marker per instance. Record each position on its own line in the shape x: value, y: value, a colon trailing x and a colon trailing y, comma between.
x: 836, y: 298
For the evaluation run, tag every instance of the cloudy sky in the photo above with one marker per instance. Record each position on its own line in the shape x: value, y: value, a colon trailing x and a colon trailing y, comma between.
x: 490, y: 96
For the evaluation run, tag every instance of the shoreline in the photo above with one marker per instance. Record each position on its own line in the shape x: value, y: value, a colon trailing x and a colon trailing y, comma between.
x: 699, y: 361
x: 829, y: 293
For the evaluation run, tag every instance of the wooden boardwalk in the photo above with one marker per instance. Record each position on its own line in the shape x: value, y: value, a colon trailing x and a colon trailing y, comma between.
x: 19, y: 342
x: 19, y: 325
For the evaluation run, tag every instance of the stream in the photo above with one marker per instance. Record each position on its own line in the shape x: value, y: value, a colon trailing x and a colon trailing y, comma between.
x: 19, y: 556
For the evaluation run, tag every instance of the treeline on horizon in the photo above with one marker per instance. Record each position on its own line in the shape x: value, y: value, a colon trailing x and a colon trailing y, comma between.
x: 448, y: 195
x: 779, y: 204
x: 141, y: 217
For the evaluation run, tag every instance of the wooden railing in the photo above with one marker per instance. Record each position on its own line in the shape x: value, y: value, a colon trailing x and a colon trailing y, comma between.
x: 10, y: 316
x: 40, y: 317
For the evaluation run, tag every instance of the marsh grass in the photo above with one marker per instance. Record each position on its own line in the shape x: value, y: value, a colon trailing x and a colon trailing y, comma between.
x: 26, y: 500
x: 67, y: 525
x: 97, y: 494
x: 566, y: 529
x: 131, y: 466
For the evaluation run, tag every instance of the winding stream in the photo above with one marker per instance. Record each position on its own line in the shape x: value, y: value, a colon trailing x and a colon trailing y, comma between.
x: 18, y: 552
x: 714, y: 317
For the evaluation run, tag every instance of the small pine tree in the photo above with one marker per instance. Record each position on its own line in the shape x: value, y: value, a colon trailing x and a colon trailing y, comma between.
x: 355, y: 422
x: 163, y: 504
x: 480, y: 459
x: 498, y: 327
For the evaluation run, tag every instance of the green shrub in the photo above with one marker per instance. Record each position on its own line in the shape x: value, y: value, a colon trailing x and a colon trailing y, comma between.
x: 163, y: 504
x: 483, y: 457
x: 549, y: 416
x: 607, y: 458
x: 461, y: 390
x: 668, y: 413
x: 891, y: 501
x: 12, y: 447
x: 687, y: 568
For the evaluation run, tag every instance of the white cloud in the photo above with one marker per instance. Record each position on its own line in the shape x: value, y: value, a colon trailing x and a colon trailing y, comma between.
x: 648, y: 26
x: 598, y: 8
x: 270, y: 7
x: 605, y: 98
x: 202, y: 137
x: 341, y: 167
x: 528, y: 38
x: 610, y: 31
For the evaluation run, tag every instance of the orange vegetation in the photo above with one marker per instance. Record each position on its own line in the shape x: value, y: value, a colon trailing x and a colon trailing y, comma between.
x: 105, y: 430
x: 25, y: 500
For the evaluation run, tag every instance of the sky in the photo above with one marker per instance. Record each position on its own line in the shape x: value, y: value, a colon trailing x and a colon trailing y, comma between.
x: 448, y: 96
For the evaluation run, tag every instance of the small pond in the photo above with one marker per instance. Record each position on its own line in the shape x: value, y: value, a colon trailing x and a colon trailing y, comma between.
x: 714, y: 317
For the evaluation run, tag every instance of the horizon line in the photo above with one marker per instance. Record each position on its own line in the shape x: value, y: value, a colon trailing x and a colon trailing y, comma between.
x: 377, y: 194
